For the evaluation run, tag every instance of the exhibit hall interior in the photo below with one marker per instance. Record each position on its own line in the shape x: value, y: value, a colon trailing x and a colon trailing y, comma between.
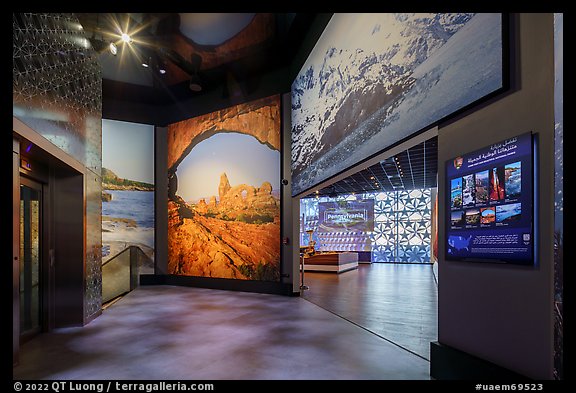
x: 288, y: 196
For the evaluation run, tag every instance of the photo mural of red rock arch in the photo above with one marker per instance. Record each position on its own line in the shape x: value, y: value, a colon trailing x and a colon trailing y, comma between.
x: 234, y: 233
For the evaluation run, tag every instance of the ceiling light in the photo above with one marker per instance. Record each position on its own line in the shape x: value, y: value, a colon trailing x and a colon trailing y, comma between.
x: 113, y: 48
x: 195, y: 83
x: 162, y: 71
x: 144, y: 64
x: 126, y: 38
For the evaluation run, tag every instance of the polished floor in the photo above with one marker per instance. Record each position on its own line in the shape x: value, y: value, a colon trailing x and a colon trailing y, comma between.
x: 165, y: 332
x: 398, y: 302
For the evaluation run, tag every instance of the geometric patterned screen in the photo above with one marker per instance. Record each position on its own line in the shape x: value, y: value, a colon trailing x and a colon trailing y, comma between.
x: 402, y: 226
x: 57, y: 84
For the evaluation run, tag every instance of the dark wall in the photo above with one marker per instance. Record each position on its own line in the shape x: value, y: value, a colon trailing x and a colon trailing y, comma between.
x: 161, y: 200
x: 186, y: 105
x: 68, y: 242
x: 503, y: 314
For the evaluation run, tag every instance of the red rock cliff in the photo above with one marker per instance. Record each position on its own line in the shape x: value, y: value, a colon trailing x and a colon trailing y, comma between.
x: 259, y: 118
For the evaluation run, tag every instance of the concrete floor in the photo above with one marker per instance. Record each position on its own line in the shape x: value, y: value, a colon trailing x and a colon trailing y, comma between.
x: 164, y: 332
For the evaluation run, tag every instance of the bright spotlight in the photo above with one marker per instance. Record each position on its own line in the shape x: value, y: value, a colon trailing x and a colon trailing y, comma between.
x: 113, y: 48
x: 126, y: 38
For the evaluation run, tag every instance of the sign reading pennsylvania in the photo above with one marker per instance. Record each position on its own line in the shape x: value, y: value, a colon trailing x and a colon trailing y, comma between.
x: 340, y: 216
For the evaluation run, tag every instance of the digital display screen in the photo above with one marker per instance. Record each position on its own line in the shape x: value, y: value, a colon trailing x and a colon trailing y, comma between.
x: 350, y: 216
x: 490, y: 203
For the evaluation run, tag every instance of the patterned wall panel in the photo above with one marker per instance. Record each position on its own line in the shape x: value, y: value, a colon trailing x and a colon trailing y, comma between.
x: 402, y: 226
x: 93, y: 294
x: 57, y: 84
x: 57, y: 91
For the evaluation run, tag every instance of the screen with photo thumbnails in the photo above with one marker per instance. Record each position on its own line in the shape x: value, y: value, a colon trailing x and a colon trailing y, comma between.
x: 490, y: 204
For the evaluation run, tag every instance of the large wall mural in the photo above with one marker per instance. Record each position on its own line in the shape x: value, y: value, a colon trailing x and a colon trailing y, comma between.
x: 375, y: 79
x: 224, y: 193
x: 128, y: 189
x: 402, y: 226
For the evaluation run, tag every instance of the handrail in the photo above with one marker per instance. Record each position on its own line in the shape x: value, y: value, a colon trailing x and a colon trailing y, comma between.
x: 122, y: 276
x: 117, y: 255
x: 123, y: 251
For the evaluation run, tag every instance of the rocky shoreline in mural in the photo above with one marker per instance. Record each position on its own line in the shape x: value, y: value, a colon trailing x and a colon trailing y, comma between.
x: 127, y: 220
x: 233, y: 235
x: 111, y: 181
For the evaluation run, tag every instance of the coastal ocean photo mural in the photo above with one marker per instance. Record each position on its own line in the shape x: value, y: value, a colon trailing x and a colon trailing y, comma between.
x: 224, y: 193
x: 374, y: 79
x: 127, y: 190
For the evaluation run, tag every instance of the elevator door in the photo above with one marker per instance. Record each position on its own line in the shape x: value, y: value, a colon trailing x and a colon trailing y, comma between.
x: 30, y: 258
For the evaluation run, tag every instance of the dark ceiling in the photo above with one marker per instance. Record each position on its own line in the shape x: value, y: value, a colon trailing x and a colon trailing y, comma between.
x: 416, y: 167
x: 230, y: 53
x: 225, y: 51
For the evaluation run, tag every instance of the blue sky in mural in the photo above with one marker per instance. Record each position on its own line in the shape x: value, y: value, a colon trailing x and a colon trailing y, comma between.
x: 128, y: 149
x: 242, y: 157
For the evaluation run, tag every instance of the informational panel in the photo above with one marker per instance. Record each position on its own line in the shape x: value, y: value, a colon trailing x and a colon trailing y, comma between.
x: 490, y: 203
x: 401, y: 231
x: 374, y: 79
x: 224, y: 193
x: 127, y: 189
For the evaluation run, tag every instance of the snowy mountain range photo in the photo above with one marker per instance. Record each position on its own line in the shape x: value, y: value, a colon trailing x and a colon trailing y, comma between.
x: 374, y: 79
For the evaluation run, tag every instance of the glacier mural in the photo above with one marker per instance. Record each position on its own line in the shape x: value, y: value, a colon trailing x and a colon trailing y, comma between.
x: 375, y: 79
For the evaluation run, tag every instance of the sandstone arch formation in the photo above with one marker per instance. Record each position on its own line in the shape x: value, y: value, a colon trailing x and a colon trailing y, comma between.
x: 259, y: 118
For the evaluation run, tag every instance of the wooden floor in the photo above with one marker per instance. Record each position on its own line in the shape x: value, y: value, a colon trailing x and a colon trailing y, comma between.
x: 395, y: 301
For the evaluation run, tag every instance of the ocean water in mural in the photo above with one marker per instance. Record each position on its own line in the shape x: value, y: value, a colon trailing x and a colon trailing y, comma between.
x: 374, y: 79
x: 224, y: 194
x: 127, y: 219
x: 127, y: 189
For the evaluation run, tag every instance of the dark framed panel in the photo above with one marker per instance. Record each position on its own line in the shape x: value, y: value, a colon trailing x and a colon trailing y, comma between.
x: 490, y: 204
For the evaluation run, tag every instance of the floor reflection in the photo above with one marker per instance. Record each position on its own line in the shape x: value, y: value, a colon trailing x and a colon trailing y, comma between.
x: 396, y: 301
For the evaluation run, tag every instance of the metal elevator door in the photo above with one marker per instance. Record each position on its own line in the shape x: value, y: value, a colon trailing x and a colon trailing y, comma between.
x: 30, y: 258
